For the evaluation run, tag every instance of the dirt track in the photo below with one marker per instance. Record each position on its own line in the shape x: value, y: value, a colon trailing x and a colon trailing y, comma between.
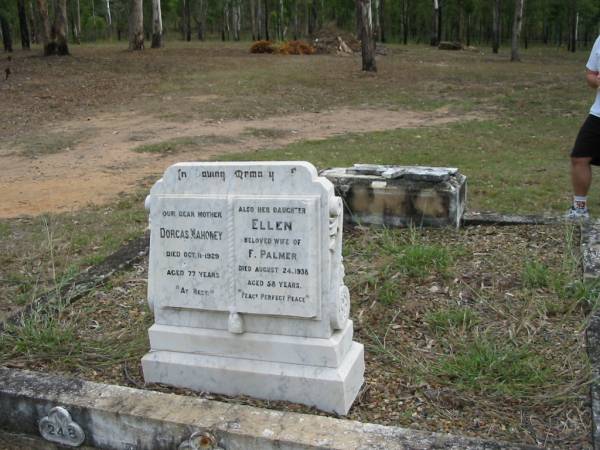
x: 102, y: 164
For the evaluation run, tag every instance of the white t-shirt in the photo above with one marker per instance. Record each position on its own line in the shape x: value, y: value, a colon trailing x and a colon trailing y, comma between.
x: 593, y: 64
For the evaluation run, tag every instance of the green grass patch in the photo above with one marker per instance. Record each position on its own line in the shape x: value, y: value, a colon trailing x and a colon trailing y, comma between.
x: 459, y: 319
x: 536, y: 275
x: 486, y: 365
x: 178, y: 145
x: 267, y: 133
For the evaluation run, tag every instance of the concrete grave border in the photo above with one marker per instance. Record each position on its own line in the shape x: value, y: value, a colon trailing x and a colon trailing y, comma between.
x: 117, y: 417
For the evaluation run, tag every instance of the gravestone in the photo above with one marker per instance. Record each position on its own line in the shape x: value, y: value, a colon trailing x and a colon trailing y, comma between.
x: 246, y: 282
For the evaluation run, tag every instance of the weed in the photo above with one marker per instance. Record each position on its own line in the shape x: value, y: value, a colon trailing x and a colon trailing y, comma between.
x: 419, y: 260
x: 267, y: 133
x: 178, y: 145
x: 461, y: 319
x: 535, y: 275
x: 389, y: 292
x: 485, y: 366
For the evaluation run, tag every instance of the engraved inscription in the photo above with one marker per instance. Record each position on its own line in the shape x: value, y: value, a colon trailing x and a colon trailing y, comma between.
x: 58, y: 427
x: 276, y: 249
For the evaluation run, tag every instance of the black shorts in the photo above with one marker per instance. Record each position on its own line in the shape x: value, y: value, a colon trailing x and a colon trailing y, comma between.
x: 587, y: 143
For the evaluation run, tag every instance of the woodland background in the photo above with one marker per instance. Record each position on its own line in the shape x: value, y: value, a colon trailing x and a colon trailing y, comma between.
x: 569, y: 23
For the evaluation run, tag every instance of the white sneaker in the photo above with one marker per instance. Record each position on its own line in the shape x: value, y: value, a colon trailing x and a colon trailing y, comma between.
x: 577, y: 214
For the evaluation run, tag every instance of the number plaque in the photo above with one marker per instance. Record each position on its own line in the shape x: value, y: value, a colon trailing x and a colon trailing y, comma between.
x: 58, y: 427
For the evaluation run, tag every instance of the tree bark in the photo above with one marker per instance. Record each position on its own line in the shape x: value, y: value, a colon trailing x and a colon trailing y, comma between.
x: 296, y: 24
x: 366, y: 37
x: 25, y: 40
x: 435, y: 29
x: 516, y: 31
x: 313, y: 15
x: 382, y: 37
x: 375, y: 14
x: 280, y: 22
x: 44, y: 31
x: 136, y: 25
x: 157, y: 27
x: 236, y: 12
x: 60, y: 28
x: 405, y: 22
x: 574, y: 23
x: 32, y: 22
x: 496, y: 26
x: 108, y: 18
x: 266, y: 13
x: 6, y: 34
x: 77, y: 24
x: 259, y: 20
x: 253, y: 18
x: 188, y: 20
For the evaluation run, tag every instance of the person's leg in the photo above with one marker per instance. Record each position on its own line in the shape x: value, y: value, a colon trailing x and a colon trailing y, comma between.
x: 581, y: 175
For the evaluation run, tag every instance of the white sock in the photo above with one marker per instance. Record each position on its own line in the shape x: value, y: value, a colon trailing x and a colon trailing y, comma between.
x: 580, y: 202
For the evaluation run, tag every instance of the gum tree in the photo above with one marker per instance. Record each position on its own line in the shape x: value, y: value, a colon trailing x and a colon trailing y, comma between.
x: 136, y: 25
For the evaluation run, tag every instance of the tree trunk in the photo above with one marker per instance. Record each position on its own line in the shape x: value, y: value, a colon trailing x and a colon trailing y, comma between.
x: 188, y: 20
x: 496, y: 26
x: 109, y: 19
x: 253, y: 19
x: 136, y: 25
x: 6, y: 34
x: 25, y: 41
x: 435, y: 29
x: 376, y: 17
x: 60, y: 28
x: 366, y: 37
x: 574, y: 22
x: 439, y: 22
x: 266, y: 12
x: 259, y: 20
x: 405, y: 22
x: 313, y: 15
x: 382, y: 36
x: 44, y: 32
x: 516, y: 31
x: 281, y: 25
x: 77, y: 23
x: 32, y: 22
x: 236, y: 12
x: 157, y: 27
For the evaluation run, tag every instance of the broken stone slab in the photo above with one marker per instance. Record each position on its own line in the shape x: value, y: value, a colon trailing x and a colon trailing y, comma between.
x: 590, y: 249
x: 477, y: 218
x: 400, y: 196
x: 117, y: 417
x: 415, y: 173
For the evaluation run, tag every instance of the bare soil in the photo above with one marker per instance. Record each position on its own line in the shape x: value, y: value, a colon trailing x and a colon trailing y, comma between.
x: 103, y: 164
x: 73, y: 122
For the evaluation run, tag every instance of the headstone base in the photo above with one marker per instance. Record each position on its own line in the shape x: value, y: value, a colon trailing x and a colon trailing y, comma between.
x: 326, y: 388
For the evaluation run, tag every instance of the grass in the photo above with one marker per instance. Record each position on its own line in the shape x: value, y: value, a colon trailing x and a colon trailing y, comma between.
x: 178, y: 145
x: 37, y: 145
x: 496, y: 368
x: 457, y: 352
x: 267, y: 133
x: 536, y: 275
x: 36, y: 253
x: 442, y: 321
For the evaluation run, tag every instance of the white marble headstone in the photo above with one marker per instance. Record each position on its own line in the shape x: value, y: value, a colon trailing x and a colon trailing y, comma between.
x: 246, y: 283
